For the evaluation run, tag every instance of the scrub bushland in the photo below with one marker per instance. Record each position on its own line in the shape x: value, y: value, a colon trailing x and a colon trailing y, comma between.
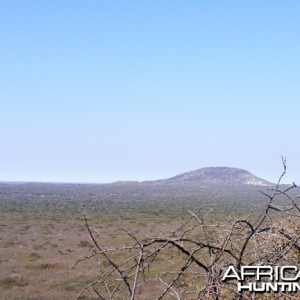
x: 189, y: 261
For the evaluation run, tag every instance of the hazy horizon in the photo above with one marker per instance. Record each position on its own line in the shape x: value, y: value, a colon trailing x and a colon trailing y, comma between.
x: 106, y: 91
x: 126, y: 180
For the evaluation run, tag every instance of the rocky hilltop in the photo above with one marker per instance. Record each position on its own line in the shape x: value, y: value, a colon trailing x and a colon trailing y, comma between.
x: 216, y: 175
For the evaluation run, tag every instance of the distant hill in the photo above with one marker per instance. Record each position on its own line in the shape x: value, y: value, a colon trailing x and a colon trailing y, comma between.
x: 216, y: 175
x: 204, y: 176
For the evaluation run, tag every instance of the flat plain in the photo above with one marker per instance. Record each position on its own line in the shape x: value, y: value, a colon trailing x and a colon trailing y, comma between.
x: 42, y: 233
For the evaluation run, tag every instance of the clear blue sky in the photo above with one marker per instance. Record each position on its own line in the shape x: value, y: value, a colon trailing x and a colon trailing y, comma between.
x: 99, y: 91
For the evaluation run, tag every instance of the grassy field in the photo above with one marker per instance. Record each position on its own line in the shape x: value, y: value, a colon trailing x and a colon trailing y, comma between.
x: 42, y: 234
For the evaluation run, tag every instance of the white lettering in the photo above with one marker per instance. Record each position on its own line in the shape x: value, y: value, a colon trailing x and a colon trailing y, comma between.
x: 233, y: 276
x: 250, y: 272
x: 268, y: 272
x: 248, y: 287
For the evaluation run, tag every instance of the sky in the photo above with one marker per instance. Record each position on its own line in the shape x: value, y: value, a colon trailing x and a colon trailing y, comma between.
x: 100, y: 91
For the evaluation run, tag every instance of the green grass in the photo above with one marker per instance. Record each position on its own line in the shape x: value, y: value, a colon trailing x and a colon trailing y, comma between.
x: 34, y: 256
x: 48, y: 265
x: 13, y: 281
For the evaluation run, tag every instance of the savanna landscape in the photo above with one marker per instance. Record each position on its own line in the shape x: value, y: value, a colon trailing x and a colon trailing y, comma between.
x: 44, y: 239
x: 140, y: 150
